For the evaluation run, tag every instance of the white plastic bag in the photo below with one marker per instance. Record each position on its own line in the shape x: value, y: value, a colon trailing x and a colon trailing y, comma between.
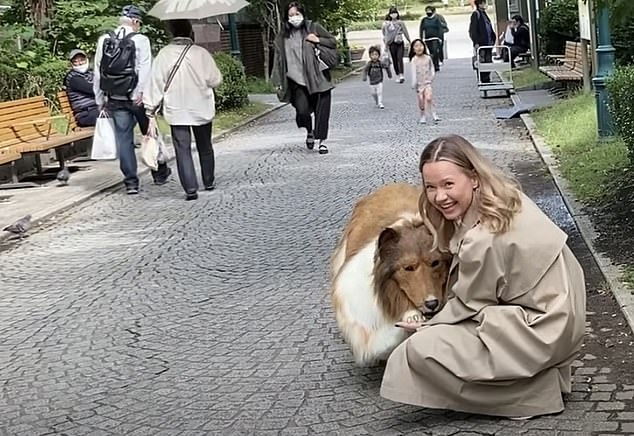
x: 104, y: 142
x: 150, y: 146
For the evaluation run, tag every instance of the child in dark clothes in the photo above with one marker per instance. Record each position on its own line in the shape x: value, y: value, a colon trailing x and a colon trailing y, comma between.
x: 374, y: 69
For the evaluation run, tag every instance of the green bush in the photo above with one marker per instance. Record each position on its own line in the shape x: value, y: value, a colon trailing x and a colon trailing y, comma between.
x: 233, y: 92
x: 31, y: 71
x: 559, y: 22
x: 620, y: 86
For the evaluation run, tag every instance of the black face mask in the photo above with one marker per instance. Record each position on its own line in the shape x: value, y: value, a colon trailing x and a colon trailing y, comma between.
x: 429, y: 14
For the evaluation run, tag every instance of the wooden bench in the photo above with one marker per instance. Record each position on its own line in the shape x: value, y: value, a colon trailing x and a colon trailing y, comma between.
x: 569, y: 67
x: 26, y: 126
x: 66, y: 109
x: 569, y: 52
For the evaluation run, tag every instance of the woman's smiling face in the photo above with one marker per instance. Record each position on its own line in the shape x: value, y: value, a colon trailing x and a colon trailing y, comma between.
x: 449, y: 188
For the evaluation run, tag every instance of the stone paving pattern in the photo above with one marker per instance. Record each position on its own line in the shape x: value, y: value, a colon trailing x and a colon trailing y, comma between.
x: 150, y: 315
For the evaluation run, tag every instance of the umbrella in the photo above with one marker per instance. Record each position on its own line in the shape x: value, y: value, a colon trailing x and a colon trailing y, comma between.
x: 195, y: 9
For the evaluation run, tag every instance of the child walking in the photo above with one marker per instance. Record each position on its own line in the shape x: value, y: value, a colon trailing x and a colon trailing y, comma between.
x: 374, y: 69
x: 422, y: 75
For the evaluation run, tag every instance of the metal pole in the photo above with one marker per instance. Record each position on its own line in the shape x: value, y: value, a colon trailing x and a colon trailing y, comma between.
x: 532, y: 19
x: 346, y: 49
x: 233, y: 36
x: 605, y: 66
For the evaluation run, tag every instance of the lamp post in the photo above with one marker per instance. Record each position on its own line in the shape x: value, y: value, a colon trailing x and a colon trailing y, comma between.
x: 233, y: 36
x: 605, y: 66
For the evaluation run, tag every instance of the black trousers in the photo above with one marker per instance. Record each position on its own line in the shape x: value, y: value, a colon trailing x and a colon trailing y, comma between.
x: 435, y: 51
x: 486, y: 57
x: 306, y: 104
x: 182, y: 139
x: 515, y: 51
x: 397, y: 51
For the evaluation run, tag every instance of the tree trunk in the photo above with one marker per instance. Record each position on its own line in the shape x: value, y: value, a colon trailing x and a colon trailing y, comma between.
x: 265, y: 45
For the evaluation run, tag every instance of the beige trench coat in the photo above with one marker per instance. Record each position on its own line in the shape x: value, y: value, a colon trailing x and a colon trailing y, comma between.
x: 513, y: 323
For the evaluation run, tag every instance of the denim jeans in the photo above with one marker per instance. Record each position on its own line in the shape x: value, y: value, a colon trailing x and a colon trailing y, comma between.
x: 125, y: 115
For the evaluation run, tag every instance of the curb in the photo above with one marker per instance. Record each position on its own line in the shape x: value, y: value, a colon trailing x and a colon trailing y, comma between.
x: 39, y: 218
x: 611, y: 272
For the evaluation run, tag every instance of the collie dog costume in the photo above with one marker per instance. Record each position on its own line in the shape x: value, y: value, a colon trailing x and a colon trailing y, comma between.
x: 384, y: 270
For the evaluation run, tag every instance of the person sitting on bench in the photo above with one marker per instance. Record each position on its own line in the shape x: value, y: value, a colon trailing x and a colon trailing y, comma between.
x: 78, y: 83
x: 521, y: 40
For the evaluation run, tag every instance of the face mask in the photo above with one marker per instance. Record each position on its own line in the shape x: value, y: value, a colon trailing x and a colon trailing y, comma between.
x: 296, y: 20
x: 394, y: 16
x: 81, y: 68
x: 429, y: 14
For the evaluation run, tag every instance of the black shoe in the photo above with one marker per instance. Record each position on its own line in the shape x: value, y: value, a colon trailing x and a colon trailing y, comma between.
x: 310, y: 141
x: 132, y: 191
x: 323, y: 149
x: 163, y: 180
x: 210, y: 187
x: 190, y: 197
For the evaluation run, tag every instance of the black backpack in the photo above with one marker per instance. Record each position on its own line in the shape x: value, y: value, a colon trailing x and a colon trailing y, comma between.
x: 117, y: 69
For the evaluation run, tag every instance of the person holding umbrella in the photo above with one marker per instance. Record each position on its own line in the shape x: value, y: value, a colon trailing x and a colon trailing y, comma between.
x: 182, y: 82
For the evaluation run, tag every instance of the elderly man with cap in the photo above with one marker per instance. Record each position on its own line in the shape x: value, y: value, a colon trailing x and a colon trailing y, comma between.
x: 123, y: 64
x: 79, y: 88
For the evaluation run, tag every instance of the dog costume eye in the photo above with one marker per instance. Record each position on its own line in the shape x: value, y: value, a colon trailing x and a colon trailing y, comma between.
x: 435, y: 263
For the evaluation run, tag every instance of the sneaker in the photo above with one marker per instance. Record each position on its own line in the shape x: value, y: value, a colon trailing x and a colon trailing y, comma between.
x: 381, y: 106
x: 210, y: 187
x: 401, y: 79
x: 323, y: 149
x: 132, y: 191
x: 422, y: 120
x: 163, y: 180
x: 436, y: 118
x: 190, y: 197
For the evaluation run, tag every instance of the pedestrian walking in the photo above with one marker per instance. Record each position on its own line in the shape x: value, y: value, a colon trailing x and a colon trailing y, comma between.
x: 422, y: 75
x: 374, y: 70
x: 515, y: 316
x: 394, y: 34
x: 302, y: 78
x: 123, y: 63
x: 182, y: 84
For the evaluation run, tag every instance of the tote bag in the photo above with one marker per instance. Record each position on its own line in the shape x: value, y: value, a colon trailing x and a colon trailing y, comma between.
x: 104, y: 143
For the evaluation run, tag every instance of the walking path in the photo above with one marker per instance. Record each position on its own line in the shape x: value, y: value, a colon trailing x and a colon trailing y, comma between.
x: 152, y: 315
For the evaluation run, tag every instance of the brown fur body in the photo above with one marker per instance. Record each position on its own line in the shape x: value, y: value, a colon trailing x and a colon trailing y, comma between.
x: 383, y: 270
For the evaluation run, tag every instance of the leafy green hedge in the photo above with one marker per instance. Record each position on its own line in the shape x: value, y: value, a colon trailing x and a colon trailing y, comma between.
x: 559, y: 22
x: 233, y: 92
x: 620, y: 86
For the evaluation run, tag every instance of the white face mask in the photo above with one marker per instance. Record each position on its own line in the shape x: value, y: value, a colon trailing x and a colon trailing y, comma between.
x: 81, y: 68
x: 296, y: 20
x: 394, y: 16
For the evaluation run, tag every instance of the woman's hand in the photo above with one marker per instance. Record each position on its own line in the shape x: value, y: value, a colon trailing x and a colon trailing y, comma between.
x: 410, y: 326
x: 311, y: 37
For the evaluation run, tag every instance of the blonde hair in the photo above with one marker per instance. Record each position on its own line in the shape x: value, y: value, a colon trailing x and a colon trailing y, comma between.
x: 498, y: 196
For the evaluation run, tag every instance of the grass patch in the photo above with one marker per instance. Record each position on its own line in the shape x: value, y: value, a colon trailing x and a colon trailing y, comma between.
x: 570, y: 128
x: 527, y: 77
x: 628, y: 277
x: 257, y: 85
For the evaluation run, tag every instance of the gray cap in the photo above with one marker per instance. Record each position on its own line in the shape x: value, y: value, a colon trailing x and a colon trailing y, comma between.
x: 76, y: 52
x: 133, y: 12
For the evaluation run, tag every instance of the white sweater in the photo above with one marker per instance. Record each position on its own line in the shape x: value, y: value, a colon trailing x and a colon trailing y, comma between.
x: 189, y: 101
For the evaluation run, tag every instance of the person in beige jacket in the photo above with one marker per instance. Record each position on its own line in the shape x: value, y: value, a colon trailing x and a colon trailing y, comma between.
x: 188, y: 105
x: 514, y: 316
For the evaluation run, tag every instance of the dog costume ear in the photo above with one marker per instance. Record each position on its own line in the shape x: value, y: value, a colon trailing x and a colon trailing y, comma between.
x: 388, y: 235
